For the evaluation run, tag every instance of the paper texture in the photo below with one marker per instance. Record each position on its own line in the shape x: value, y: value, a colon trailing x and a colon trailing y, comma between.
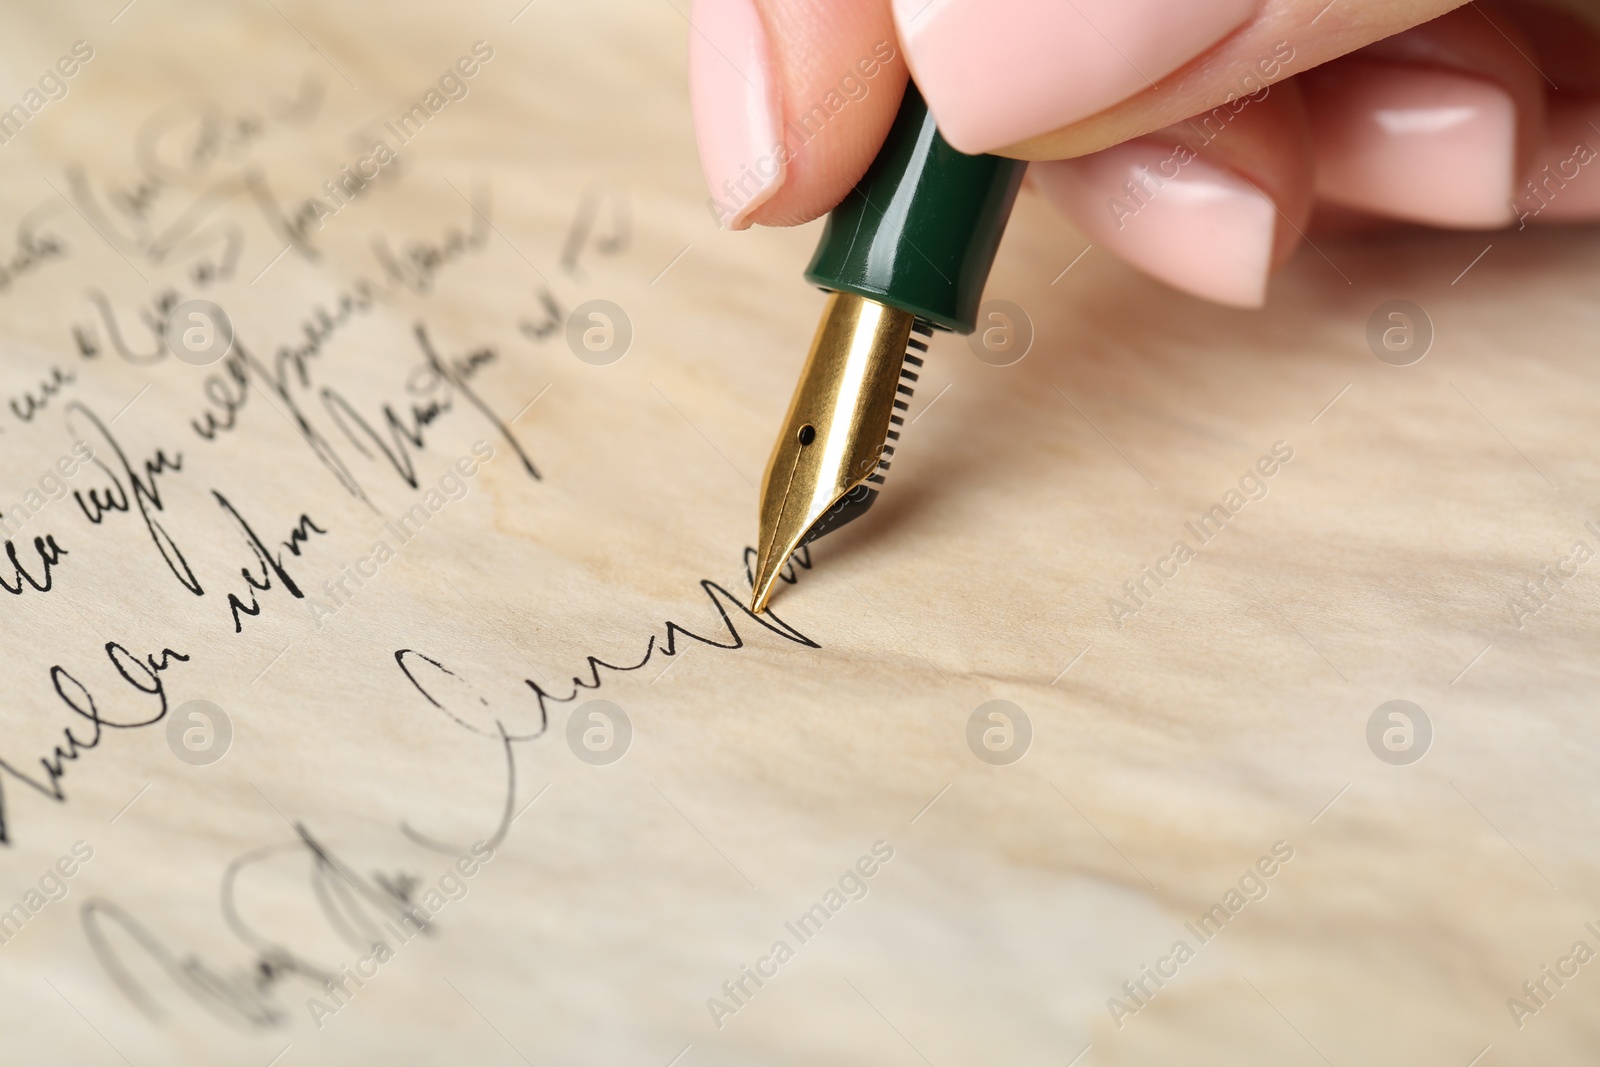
x: 401, y: 531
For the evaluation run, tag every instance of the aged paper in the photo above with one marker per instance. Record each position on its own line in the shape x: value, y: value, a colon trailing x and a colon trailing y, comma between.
x: 302, y: 762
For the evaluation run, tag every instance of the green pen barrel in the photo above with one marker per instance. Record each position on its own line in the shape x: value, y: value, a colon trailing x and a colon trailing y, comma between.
x: 920, y: 229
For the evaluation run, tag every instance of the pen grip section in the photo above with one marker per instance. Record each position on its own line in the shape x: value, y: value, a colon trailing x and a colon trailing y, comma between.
x: 920, y: 229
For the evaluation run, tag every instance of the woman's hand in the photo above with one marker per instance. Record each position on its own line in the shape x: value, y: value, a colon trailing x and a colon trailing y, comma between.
x: 1193, y: 138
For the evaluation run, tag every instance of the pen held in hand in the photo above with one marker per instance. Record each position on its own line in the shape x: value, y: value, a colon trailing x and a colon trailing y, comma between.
x: 908, y: 251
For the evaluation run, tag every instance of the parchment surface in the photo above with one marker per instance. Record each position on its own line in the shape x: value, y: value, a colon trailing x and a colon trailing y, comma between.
x: 387, y: 710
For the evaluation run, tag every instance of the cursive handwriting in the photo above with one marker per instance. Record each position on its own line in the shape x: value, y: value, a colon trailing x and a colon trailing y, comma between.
x: 359, y: 910
x: 143, y: 675
x: 436, y: 383
x: 583, y: 227
x: 50, y: 554
x: 153, y: 316
x: 129, y: 489
x: 419, y: 262
x: 270, y: 565
x: 417, y: 666
x: 33, y: 248
x: 29, y: 404
x: 228, y: 390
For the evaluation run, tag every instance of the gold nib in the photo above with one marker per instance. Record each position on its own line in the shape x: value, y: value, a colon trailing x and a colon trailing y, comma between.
x: 845, y: 413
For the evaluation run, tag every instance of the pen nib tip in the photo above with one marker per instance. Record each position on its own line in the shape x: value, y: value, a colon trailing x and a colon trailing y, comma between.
x: 761, y: 586
x: 834, y: 448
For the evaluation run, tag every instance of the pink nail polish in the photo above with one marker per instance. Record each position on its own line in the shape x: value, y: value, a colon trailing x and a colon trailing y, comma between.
x: 737, y: 111
x: 1413, y: 143
x: 995, y: 72
x: 1563, y: 185
x: 1197, y: 226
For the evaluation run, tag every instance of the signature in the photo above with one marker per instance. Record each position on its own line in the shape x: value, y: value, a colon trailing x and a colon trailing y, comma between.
x: 359, y: 910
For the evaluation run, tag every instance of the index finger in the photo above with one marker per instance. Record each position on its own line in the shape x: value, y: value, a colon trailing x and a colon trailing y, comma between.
x: 1052, y: 81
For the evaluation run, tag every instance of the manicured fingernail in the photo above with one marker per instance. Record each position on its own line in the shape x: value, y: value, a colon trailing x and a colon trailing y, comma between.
x: 737, y: 112
x: 1564, y: 183
x: 995, y: 72
x: 1194, y: 225
x: 1413, y: 143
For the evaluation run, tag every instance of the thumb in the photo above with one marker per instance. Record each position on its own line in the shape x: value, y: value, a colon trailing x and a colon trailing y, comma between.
x: 792, y: 100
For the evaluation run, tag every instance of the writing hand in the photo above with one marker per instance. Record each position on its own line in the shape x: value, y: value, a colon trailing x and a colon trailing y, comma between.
x: 1196, y: 139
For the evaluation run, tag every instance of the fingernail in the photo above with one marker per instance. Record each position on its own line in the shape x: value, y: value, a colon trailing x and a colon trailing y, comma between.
x: 737, y: 113
x: 995, y: 72
x: 1194, y: 225
x: 1423, y: 145
x: 1564, y: 183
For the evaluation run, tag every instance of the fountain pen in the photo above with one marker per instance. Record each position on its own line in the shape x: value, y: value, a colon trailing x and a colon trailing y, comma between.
x: 907, y: 252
